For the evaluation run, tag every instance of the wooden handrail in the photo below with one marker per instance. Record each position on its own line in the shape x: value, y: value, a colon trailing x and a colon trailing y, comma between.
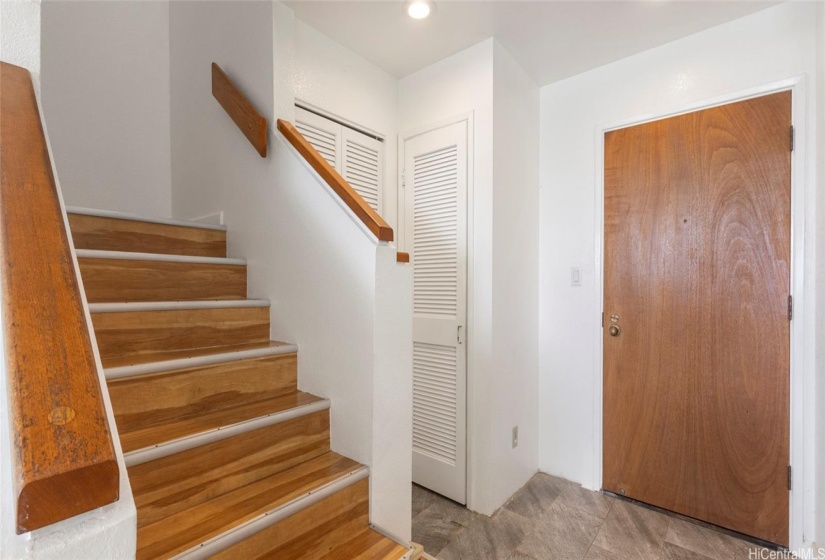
x: 351, y: 198
x: 63, y: 461
x: 238, y: 107
x: 402, y: 257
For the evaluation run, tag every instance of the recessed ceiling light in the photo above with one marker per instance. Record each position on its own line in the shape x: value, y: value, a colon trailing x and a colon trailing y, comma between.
x: 419, y: 9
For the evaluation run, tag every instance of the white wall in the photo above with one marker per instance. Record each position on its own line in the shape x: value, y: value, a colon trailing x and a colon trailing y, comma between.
x: 108, y: 532
x: 502, y: 292
x: 768, y: 46
x: 20, y: 32
x: 306, y: 252
x: 392, y: 394
x: 820, y: 290
x: 514, y: 376
x: 106, y: 100
x: 333, y: 78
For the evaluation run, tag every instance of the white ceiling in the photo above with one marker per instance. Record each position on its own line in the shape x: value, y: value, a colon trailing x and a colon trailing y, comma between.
x: 552, y: 40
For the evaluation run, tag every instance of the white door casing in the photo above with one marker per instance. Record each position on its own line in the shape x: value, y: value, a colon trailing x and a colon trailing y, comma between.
x: 435, y: 190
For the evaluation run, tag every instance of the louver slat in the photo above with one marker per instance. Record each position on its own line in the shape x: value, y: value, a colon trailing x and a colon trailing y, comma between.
x: 435, y: 237
x: 362, y: 170
x: 434, y: 404
x: 321, y: 140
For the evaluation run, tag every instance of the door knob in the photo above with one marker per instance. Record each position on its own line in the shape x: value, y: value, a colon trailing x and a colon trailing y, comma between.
x: 614, y: 330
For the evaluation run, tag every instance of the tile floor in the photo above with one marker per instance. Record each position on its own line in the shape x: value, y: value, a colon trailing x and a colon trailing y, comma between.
x: 551, y: 518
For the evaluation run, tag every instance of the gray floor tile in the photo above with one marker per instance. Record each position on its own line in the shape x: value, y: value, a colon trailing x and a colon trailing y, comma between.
x: 597, y: 553
x: 633, y: 532
x: 488, y: 538
x: 702, y: 540
x: 448, y: 509
x: 421, y: 499
x: 561, y: 533
x: 671, y: 551
x: 439, y: 522
x: 586, y: 500
x: 519, y: 556
x: 537, y: 495
x: 433, y: 544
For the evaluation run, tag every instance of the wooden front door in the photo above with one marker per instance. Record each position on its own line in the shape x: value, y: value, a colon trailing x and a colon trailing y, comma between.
x: 696, y: 314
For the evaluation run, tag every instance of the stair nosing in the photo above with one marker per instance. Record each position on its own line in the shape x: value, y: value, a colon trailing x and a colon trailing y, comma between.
x: 268, y: 518
x: 179, y: 305
x: 178, y: 445
x: 147, y: 368
x: 137, y: 218
x: 161, y: 257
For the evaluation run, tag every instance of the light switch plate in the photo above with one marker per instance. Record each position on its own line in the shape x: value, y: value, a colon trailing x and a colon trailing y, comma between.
x: 576, y: 276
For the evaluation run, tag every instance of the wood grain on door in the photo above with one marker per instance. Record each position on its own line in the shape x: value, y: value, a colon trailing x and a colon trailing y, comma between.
x: 697, y: 280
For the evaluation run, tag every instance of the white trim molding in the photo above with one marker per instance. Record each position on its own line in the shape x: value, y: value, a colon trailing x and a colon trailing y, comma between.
x: 137, y: 218
x: 802, y: 375
x: 269, y: 349
x: 127, y: 255
x: 130, y: 306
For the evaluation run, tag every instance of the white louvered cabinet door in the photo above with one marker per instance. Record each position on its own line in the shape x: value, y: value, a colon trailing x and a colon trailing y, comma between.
x: 323, y: 134
x: 362, y: 165
x: 435, y: 171
x: 357, y: 157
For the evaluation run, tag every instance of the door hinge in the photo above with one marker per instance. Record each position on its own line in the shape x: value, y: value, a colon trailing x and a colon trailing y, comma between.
x: 403, y: 178
x: 792, y: 137
x: 790, y: 478
x: 790, y: 308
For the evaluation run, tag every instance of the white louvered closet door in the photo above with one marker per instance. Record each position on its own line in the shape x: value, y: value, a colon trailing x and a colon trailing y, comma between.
x: 323, y: 134
x: 362, y: 165
x: 435, y: 171
x: 357, y: 157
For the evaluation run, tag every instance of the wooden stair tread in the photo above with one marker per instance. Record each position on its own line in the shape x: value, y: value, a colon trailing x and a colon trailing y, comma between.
x: 366, y: 545
x: 113, y: 280
x: 165, y: 396
x: 122, y: 361
x: 191, y: 527
x: 180, y: 481
x: 311, y: 532
x: 161, y: 432
x: 215, y: 432
x: 136, y: 333
x: 127, y: 216
x: 122, y: 233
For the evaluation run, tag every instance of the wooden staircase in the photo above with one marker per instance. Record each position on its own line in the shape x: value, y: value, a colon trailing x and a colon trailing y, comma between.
x: 226, y: 458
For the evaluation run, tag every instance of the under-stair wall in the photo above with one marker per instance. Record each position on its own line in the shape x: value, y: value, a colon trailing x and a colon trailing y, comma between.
x: 335, y: 290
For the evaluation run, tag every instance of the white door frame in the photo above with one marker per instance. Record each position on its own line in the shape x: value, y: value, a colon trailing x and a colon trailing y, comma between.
x: 469, y: 336
x: 802, y: 373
